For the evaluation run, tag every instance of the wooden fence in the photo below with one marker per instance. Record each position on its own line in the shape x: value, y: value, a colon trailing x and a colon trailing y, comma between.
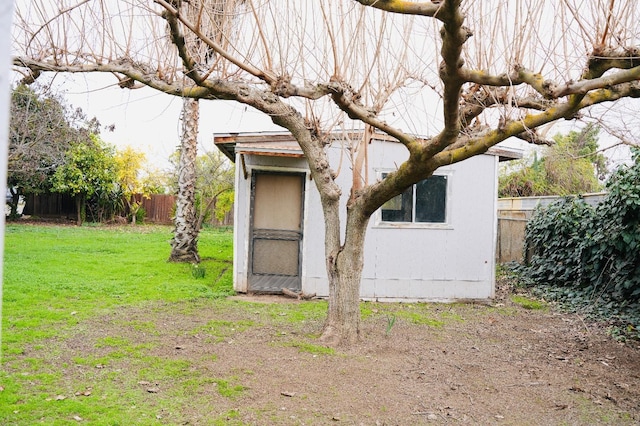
x: 50, y: 205
x: 159, y: 208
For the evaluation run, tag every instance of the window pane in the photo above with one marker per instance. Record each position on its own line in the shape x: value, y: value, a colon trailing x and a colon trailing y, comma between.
x: 431, y: 199
x: 398, y: 209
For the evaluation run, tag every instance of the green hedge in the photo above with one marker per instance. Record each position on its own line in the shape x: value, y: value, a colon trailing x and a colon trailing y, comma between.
x: 584, y: 254
x: 573, y: 244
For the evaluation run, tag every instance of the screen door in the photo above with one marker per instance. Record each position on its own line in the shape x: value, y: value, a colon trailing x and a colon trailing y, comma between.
x: 276, y: 231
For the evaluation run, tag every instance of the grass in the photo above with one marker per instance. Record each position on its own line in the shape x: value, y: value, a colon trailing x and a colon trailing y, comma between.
x: 426, y: 314
x: 311, y: 348
x: 528, y: 303
x: 56, y: 278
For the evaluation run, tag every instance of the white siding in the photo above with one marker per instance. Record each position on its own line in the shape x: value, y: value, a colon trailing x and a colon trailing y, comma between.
x: 402, y: 263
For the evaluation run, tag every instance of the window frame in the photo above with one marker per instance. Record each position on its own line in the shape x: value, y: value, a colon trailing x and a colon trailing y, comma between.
x: 447, y: 224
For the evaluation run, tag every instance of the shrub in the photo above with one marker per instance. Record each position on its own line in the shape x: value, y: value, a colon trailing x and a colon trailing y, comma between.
x: 573, y: 244
x: 583, y: 254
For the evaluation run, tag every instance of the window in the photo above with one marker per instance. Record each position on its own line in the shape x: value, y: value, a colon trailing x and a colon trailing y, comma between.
x: 424, y: 202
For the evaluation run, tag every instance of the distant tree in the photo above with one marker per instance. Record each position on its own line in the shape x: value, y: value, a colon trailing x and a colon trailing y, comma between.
x: 215, y: 17
x: 572, y: 165
x: 42, y: 128
x: 90, y: 171
x: 214, y: 185
x: 129, y: 168
x: 156, y: 181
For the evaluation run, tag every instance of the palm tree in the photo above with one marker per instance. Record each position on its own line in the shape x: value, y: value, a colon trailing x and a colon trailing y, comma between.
x: 213, y: 18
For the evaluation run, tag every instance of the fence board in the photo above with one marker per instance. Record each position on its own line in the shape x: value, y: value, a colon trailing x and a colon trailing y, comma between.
x: 159, y: 208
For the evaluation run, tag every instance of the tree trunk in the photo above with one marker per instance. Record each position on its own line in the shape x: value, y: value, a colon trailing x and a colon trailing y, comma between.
x: 80, y: 208
x: 344, y: 269
x: 184, y: 245
x: 15, y: 200
x: 133, y: 206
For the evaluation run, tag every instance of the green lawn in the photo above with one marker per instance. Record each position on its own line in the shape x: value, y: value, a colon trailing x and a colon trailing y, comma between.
x: 59, y: 275
x: 56, y: 277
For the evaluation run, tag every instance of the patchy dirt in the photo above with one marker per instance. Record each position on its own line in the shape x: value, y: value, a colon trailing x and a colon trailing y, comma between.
x: 436, y: 364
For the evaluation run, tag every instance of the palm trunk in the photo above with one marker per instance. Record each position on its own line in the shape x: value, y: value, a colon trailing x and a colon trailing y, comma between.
x: 184, y: 245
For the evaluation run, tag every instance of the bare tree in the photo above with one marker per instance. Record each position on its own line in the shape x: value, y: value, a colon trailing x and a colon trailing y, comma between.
x: 470, y: 74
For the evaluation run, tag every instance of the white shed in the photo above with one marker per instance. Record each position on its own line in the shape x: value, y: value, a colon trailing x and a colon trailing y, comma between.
x: 435, y: 242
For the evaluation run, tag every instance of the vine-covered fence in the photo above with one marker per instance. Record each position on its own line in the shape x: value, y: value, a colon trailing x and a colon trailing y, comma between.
x: 513, y: 215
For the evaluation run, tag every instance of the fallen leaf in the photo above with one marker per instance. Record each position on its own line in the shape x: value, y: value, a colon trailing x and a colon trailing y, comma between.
x: 60, y: 397
x: 289, y: 394
x: 1, y: 388
x: 77, y: 418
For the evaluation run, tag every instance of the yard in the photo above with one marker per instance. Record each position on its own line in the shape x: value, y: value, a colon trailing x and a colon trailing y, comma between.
x: 99, y: 329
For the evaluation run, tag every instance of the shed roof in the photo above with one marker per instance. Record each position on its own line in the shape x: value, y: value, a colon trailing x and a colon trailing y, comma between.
x: 283, y: 144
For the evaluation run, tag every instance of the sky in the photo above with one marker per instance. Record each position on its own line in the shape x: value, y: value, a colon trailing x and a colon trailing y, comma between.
x: 149, y: 120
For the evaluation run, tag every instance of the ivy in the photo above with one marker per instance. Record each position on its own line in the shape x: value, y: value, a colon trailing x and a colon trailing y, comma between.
x: 587, y: 255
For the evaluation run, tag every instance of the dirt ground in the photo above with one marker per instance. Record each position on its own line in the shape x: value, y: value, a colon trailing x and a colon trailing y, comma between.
x: 487, y: 364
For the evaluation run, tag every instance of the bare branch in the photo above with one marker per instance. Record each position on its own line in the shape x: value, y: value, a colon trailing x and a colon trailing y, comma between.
x: 426, y: 8
x: 171, y: 10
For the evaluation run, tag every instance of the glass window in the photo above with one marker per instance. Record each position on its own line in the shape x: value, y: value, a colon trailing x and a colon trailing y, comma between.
x: 424, y: 202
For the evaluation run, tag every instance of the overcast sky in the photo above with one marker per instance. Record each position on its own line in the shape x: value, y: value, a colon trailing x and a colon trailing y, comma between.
x: 148, y: 120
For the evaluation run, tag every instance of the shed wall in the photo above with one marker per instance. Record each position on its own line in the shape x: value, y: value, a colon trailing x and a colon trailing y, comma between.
x: 449, y: 262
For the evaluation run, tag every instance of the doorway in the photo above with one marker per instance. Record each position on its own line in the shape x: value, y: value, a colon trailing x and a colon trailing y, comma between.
x: 275, y: 255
